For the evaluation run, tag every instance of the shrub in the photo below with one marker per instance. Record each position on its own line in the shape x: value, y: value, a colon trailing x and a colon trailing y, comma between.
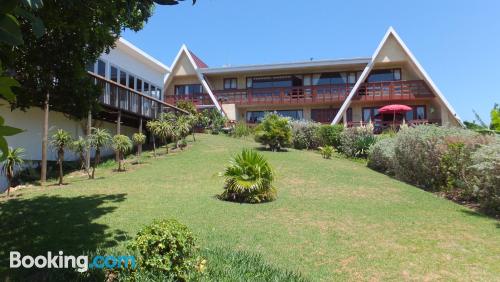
x: 241, y: 129
x: 212, y: 119
x: 305, y: 134
x: 274, y: 131
x: 139, y: 139
x: 248, y: 179
x: 355, y: 142
x: 80, y: 147
x: 486, y: 177
x: 98, y: 139
x: 419, y: 153
x: 14, y: 159
x: 166, y: 246
x: 327, y: 151
x: 60, y: 141
x: 381, y: 156
x: 330, y: 134
x: 121, y: 144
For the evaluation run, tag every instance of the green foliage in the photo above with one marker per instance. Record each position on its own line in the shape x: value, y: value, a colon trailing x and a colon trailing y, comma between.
x: 168, y: 247
x: 327, y: 151
x: 241, y: 129
x: 485, y: 174
x: 187, y: 106
x: 6, y: 131
x: 213, y: 120
x: 248, y: 179
x: 99, y: 138
x: 274, y: 131
x: 381, y: 155
x: 13, y: 159
x: 355, y: 142
x: 495, y: 118
x: 305, y: 134
x: 330, y: 134
x: 138, y: 138
x: 60, y: 140
x: 80, y: 147
x: 121, y: 144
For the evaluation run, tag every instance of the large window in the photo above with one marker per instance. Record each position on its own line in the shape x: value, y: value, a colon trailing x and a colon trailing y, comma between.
x: 123, y: 78
x: 384, y: 75
x: 113, y: 74
x: 334, y: 78
x: 417, y: 112
x: 369, y: 114
x: 257, y: 116
x: 230, y: 83
x: 327, y: 115
x: 275, y: 81
x: 188, y: 89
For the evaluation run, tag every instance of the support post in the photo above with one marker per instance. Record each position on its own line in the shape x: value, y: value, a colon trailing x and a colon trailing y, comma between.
x: 45, y: 139
x: 118, y: 130
x: 139, y: 147
x: 89, y: 131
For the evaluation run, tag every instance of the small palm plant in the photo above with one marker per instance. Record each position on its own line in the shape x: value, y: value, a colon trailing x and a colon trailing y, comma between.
x: 326, y: 151
x: 121, y: 144
x: 139, y: 139
x: 165, y: 131
x: 248, y: 179
x: 13, y: 160
x: 183, y: 128
x: 80, y: 147
x: 152, y: 126
x: 99, y: 139
x: 60, y: 141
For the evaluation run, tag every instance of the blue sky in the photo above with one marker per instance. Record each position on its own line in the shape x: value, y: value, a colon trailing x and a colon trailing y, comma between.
x: 457, y: 42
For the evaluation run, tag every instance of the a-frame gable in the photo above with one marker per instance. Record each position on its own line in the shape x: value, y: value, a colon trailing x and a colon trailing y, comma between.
x: 393, y: 49
x: 186, y: 64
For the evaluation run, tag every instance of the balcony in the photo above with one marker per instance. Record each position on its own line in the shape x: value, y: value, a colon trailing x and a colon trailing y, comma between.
x: 119, y: 97
x: 199, y: 99
x: 325, y: 94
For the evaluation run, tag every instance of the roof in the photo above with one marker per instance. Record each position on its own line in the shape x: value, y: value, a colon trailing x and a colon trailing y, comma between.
x: 199, y: 63
x: 286, y: 66
x: 141, y: 54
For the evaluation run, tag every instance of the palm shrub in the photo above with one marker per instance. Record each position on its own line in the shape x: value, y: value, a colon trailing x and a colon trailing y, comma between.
x: 166, y: 131
x: 327, y: 151
x: 274, y: 131
x: 355, y: 142
x: 121, y: 144
x: 152, y: 126
x: 183, y: 128
x: 80, y: 147
x: 11, y: 161
x: 305, y: 134
x: 139, y: 139
x: 248, y: 179
x: 168, y: 247
x: 213, y: 120
x: 330, y: 134
x: 98, y: 140
x: 60, y: 141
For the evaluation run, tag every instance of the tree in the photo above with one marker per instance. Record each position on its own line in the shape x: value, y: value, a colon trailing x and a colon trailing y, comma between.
x: 138, y: 139
x: 77, y: 32
x: 274, y: 131
x: 13, y: 159
x: 165, y: 131
x: 194, y: 115
x: 152, y: 126
x: 60, y: 141
x: 121, y: 144
x: 80, y: 147
x: 183, y: 127
x: 98, y: 139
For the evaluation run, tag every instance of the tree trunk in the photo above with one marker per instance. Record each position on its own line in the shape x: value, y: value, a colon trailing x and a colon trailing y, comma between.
x: 139, y: 146
x: 61, y: 159
x: 118, y: 131
x: 45, y: 139
x: 97, y: 159
x: 89, y: 131
x: 120, y: 161
x: 166, y: 146
x: 192, y: 131
x: 154, y: 147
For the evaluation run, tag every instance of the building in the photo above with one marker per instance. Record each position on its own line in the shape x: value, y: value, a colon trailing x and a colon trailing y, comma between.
x: 328, y: 91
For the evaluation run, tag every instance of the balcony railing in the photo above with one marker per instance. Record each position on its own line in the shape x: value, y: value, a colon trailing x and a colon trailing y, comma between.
x: 317, y: 94
x: 119, y: 97
x: 197, y: 99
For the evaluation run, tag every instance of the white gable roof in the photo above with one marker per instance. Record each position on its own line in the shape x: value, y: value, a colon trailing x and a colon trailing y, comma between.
x: 376, y: 58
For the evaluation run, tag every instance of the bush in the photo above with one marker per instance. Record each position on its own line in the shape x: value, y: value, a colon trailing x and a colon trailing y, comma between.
x: 248, y: 179
x: 421, y: 153
x: 486, y: 177
x: 330, y: 135
x: 381, y: 156
x: 355, y: 142
x: 274, y: 131
x: 121, y: 144
x: 305, y: 134
x: 241, y: 129
x: 327, y: 151
x: 213, y: 120
x: 166, y: 246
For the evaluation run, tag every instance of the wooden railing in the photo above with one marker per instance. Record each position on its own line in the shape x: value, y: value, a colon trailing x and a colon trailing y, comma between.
x: 119, y: 97
x: 197, y: 99
x: 372, y: 91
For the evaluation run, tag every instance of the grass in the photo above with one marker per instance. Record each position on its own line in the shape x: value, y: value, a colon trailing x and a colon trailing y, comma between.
x: 333, y: 220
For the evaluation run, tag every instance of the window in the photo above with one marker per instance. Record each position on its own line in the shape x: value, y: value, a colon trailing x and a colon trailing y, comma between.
x: 323, y: 115
x: 146, y: 89
x: 255, y: 117
x: 113, y: 74
x: 384, y: 75
x: 369, y: 114
x: 139, y: 85
x: 123, y: 78
x: 273, y: 81
x: 101, y: 68
x: 230, y: 83
x: 131, y: 82
x: 417, y: 112
x: 293, y: 114
x: 188, y: 89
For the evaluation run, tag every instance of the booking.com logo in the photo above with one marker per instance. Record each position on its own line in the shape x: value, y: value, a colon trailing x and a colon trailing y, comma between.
x: 80, y: 263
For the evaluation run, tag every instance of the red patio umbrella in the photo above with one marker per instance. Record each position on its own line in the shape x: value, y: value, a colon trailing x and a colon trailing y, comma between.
x: 395, y: 108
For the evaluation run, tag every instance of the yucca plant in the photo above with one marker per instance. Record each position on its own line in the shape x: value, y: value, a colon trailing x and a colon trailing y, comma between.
x: 248, y: 179
x: 80, y: 147
x: 183, y: 126
x: 326, y: 151
x: 13, y: 160
x: 139, y: 139
x: 152, y: 126
x: 60, y: 141
x: 121, y: 144
x: 99, y: 139
x: 165, y: 131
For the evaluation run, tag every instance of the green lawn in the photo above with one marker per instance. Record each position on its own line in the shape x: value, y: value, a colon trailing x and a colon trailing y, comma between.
x: 334, y: 219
